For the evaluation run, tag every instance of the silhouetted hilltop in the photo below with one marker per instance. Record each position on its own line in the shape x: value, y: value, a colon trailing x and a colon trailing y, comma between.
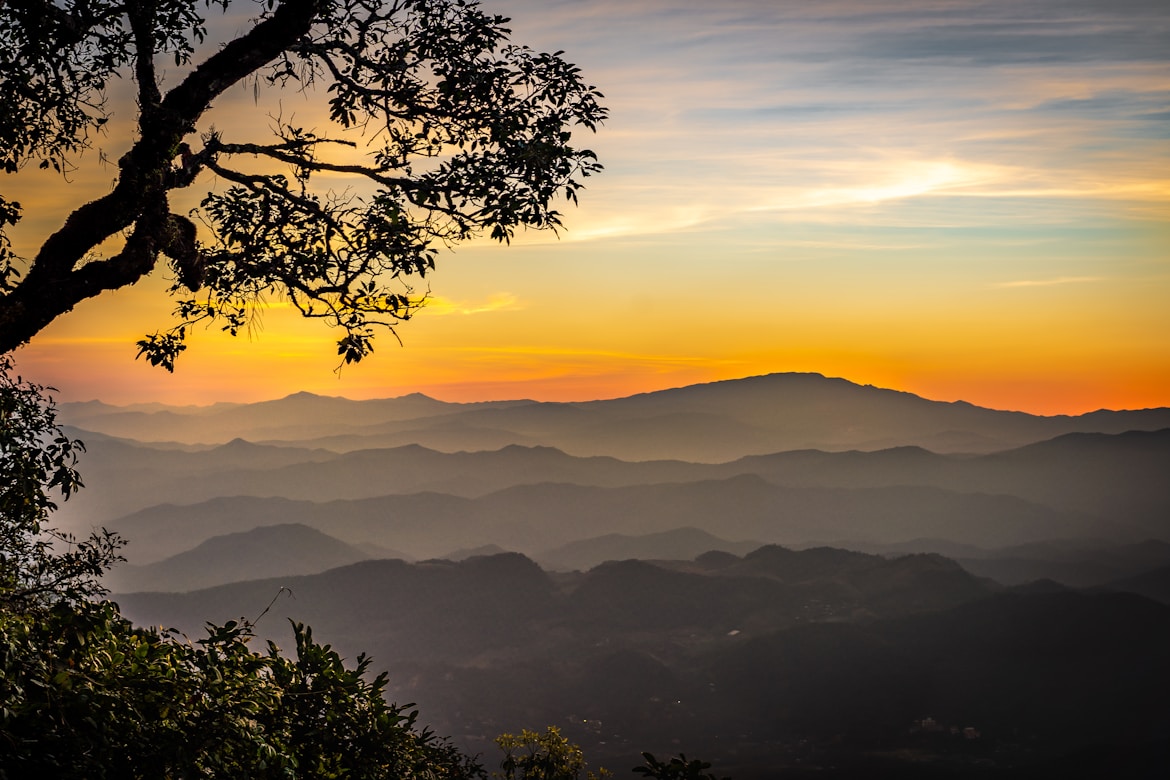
x: 294, y: 417
x: 463, y: 554
x: 1115, y: 476
x: 712, y: 422
x: 794, y: 566
x: 242, y: 469
x: 378, y: 600
x: 1083, y: 471
x: 392, y: 609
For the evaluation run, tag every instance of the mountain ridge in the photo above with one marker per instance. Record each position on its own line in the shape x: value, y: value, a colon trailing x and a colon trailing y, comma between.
x: 704, y: 422
x: 1117, y: 477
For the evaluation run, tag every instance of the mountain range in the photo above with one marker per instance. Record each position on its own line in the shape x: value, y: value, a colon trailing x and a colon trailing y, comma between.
x: 781, y: 571
x: 775, y: 659
x: 709, y: 423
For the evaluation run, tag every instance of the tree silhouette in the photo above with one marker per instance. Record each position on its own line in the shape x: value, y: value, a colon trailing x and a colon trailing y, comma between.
x: 444, y: 129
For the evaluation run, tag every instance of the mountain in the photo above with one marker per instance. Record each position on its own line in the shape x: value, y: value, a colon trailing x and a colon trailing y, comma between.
x: 888, y: 586
x: 295, y: 417
x: 648, y: 629
x: 122, y: 475
x: 713, y: 422
x: 414, y: 613
x: 1119, y: 476
x: 426, y: 522
x: 811, y: 411
x: 464, y: 553
x: 1113, y: 480
x: 432, y: 610
x: 1153, y: 584
x: 1081, y: 564
x: 780, y: 658
x: 267, y: 551
x: 677, y: 544
x: 239, y: 468
x: 534, y: 518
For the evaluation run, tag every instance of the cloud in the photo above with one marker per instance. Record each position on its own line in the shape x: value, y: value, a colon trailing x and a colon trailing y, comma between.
x: 829, y: 109
x: 438, y: 306
x: 1050, y: 282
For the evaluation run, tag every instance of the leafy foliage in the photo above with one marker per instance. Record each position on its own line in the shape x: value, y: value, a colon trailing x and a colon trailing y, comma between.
x: 39, y: 565
x: 87, y: 695
x: 676, y: 768
x: 531, y: 755
x: 445, y: 129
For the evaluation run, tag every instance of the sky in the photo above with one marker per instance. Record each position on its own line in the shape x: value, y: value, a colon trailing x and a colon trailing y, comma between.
x: 964, y: 199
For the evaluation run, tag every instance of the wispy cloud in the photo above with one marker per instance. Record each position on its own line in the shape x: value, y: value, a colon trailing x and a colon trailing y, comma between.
x: 438, y: 306
x: 1050, y: 282
x: 832, y: 108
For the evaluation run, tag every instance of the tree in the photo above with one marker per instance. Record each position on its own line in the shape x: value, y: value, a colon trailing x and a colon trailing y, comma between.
x: 87, y: 695
x: 531, y: 755
x: 467, y: 134
x: 40, y: 566
x: 675, y: 768
x: 445, y: 129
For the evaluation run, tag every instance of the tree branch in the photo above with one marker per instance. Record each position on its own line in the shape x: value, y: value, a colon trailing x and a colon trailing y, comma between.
x: 142, y: 13
x: 54, y: 283
x: 239, y: 59
x: 71, y: 28
x: 280, y: 152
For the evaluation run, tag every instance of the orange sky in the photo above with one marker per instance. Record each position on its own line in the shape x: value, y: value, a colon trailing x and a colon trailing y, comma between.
x: 966, y: 201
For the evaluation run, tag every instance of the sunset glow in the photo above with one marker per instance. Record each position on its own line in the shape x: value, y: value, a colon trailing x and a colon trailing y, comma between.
x: 965, y: 200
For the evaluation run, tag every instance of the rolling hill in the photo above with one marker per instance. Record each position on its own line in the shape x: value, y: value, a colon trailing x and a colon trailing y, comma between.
x: 266, y: 551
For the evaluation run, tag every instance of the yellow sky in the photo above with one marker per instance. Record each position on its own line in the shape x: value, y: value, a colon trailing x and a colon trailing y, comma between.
x: 966, y: 201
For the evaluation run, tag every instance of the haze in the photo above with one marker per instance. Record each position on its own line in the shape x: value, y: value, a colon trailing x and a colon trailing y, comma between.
x: 787, y: 571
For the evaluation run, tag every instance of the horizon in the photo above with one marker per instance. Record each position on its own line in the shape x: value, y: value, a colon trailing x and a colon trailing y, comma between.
x: 214, y: 403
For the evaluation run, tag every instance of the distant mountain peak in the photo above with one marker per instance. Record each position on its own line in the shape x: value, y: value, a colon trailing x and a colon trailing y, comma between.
x: 417, y: 397
x: 239, y: 443
x: 304, y: 395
